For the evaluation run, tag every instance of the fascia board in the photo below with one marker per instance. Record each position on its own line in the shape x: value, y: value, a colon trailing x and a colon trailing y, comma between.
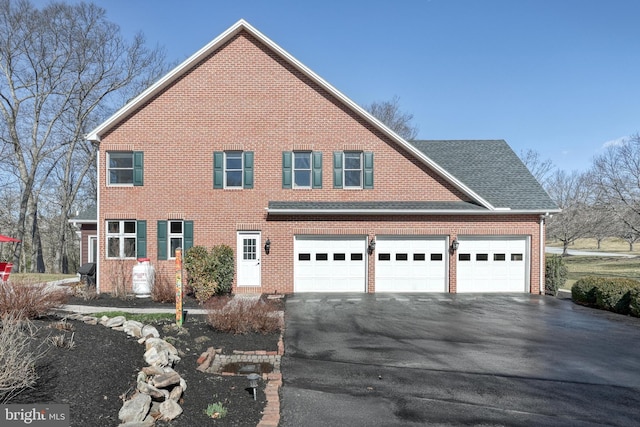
x: 224, y: 37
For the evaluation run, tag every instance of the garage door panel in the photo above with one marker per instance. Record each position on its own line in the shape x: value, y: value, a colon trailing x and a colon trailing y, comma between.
x: 492, y: 264
x: 410, y: 264
x: 329, y: 264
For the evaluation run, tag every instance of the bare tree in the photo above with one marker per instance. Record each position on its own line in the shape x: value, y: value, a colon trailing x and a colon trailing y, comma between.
x: 62, y: 69
x: 540, y: 169
x: 616, y: 176
x: 388, y: 112
x: 571, y: 193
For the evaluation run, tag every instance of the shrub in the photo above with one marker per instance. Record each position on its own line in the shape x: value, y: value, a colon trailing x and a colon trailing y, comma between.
x: 163, y: 289
x: 555, y: 274
x: 613, y: 295
x: 240, y: 316
x: 584, y: 290
x: 31, y: 300
x: 634, y: 302
x: 209, y: 273
x: 216, y: 410
x: 17, y: 360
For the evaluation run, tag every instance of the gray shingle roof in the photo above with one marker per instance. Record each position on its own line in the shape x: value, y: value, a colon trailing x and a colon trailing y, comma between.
x: 90, y: 214
x: 374, y: 206
x: 492, y: 170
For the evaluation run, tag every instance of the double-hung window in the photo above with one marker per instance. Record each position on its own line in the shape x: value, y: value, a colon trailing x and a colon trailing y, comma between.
x: 174, y: 234
x: 233, y: 169
x: 353, y: 169
x: 175, y: 237
x: 125, y: 168
x: 301, y: 169
x: 121, y: 239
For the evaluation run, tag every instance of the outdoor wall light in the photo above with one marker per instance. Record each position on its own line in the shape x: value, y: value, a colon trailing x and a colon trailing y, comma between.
x: 372, y: 246
x: 455, y: 245
x: 267, y: 246
x: 253, y: 383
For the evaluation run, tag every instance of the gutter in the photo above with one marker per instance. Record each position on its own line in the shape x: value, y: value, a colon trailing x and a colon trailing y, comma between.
x: 403, y: 212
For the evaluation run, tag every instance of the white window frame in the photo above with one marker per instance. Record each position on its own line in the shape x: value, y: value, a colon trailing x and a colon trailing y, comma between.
x: 110, y: 168
x: 170, y: 235
x: 122, y: 236
x: 227, y: 170
x: 308, y: 170
x: 345, y: 170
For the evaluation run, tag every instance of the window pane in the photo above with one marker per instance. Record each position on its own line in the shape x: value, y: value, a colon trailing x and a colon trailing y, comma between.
x: 302, y: 160
x: 339, y: 257
x: 121, y: 176
x: 249, y: 249
x: 499, y: 257
x: 234, y: 178
x: 402, y: 257
x: 302, y: 178
x: 121, y: 160
x: 113, y: 227
x: 419, y: 257
x: 113, y: 247
x: 482, y: 257
x: 352, y: 160
x: 176, y: 242
x: 304, y: 257
x: 130, y: 227
x: 175, y: 227
x: 234, y: 160
x: 322, y: 257
x: 356, y: 257
x: 352, y: 178
x: 384, y: 257
x: 129, y: 247
x: 464, y: 257
x: 436, y: 257
x: 516, y: 257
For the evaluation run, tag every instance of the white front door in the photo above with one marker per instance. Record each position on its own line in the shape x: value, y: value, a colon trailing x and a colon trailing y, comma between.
x: 248, y: 255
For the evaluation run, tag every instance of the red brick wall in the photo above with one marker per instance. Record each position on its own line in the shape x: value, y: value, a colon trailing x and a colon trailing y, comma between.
x: 245, y: 98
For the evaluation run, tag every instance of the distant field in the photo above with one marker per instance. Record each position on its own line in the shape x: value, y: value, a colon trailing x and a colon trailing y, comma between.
x: 611, y: 244
x: 580, y: 266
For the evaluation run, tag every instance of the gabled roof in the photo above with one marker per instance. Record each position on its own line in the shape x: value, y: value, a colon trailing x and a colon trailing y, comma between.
x: 87, y: 216
x: 492, y: 170
x: 240, y: 26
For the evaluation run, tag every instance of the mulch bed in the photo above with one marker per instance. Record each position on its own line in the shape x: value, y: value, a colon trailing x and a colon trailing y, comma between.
x: 95, y: 375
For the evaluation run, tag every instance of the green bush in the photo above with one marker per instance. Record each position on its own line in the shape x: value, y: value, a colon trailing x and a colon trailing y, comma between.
x: 584, y: 290
x: 209, y: 273
x: 634, y: 302
x: 555, y: 274
x: 614, y: 295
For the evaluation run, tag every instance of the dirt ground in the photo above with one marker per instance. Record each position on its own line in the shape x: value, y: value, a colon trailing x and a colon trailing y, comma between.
x: 100, y: 370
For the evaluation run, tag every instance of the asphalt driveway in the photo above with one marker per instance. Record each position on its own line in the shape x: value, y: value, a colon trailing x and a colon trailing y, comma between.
x: 439, y: 359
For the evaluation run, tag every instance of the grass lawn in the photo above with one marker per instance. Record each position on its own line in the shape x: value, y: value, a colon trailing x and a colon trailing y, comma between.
x: 610, y: 244
x: 580, y: 266
x: 39, y: 277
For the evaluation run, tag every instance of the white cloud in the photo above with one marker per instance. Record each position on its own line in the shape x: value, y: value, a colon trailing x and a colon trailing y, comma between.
x: 616, y: 142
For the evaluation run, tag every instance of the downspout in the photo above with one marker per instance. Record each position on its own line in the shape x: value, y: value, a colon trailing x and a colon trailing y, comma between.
x: 541, y: 253
x: 98, y: 223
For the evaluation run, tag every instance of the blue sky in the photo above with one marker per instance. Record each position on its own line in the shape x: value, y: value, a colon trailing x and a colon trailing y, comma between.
x: 561, y: 77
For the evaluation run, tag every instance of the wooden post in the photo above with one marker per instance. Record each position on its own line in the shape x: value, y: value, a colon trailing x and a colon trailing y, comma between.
x: 179, y: 287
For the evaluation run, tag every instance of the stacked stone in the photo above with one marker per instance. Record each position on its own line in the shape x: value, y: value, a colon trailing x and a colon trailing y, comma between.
x: 158, y: 386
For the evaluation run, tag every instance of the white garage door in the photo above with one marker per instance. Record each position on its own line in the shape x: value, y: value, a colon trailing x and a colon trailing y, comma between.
x: 492, y: 264
x: 411, y: 264
x: 330, y: 264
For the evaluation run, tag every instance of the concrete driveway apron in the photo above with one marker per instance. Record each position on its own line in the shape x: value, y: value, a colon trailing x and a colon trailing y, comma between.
x: 439, y: 359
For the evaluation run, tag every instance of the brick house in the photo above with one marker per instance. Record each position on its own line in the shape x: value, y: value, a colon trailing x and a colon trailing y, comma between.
x: 243, y: 145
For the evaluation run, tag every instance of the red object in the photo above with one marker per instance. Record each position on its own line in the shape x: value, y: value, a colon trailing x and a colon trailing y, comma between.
x: 5, y: 271
x: 7, y: 239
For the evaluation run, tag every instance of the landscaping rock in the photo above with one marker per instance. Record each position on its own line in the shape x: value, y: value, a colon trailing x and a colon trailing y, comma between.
x: 133, y: 328
x: 90, y: 320
x: 152, y: 370
x: 114, y: 322
x: 148, y: 422
x: 149, y: 330
x: 166, y: 380
x: 176, y: 393
x: 152, y: 391
x: 155, y: 357
x: 169, y: 410
x: 135, y: 409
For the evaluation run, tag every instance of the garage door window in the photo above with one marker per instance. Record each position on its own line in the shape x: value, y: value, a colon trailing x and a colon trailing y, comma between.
x: 322, y: 257
x: 464, y: 257
x: 516, y: 257
x: 339, y: 257
x: 384, y: 257
x: 419, y: 257
x: 482, y: 257
x: 499, y: 257
x: 402, y: 257
x: 436, y: 257
x: 356, y: 257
